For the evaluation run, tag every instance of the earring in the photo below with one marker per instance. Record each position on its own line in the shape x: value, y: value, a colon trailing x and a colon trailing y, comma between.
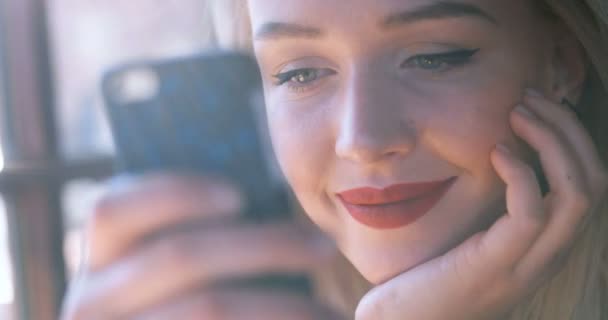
x: 572, y: 107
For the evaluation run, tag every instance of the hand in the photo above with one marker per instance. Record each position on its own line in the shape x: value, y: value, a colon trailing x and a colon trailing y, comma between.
x: 159, y: 248
x: 493, y: 271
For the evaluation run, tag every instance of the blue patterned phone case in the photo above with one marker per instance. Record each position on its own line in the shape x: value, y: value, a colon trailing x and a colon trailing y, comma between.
x: 201, y: 114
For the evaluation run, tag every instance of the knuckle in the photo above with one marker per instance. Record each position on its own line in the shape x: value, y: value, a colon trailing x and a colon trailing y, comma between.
x: 202, y: 194
x: 579, y: 202
x: 166, y: 190
x: 180, y: 189
x: 194, y: 185
x: 525, y: 172
x: 103, y: 214
x: 535, y: 222
x: 547, y: 136
x: 174, y: 251
x: 180, y: 255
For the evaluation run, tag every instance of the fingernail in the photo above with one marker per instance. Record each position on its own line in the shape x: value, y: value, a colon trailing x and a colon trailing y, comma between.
x: 525, y: 112
x: 503, y: 148
x: 533, y: 93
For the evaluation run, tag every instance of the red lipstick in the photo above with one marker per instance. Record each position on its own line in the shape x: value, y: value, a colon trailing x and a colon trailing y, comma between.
x: 395, y: 206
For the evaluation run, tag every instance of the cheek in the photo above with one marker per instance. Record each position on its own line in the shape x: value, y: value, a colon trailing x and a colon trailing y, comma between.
x: 304, y: 147
x: 466, y: 135
x: 468, y: 120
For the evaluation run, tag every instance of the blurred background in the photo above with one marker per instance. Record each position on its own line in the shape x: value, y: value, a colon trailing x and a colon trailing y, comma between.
x: 56, y: 149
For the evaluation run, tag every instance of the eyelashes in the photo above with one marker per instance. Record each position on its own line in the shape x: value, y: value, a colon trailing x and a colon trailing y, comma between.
x: 303, y: 78
x: 440, y: 61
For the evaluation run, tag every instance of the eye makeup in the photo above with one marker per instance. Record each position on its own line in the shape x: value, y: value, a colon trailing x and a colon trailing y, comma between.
x: 439, y: 61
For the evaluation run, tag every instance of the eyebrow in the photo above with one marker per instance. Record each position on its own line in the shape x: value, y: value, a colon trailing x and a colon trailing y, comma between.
x: 438, y: 10
x: 273, y: 30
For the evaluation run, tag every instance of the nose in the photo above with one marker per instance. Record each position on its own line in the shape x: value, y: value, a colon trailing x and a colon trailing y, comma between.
x: 373, y: 125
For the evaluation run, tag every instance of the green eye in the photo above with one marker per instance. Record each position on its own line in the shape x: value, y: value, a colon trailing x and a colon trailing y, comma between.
x: 305, y: 76
x: 440, y: 61
x: 302, y: 77
x: 428, y: 63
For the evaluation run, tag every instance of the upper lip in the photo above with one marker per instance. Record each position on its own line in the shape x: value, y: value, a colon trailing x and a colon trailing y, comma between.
x: 393, y: 193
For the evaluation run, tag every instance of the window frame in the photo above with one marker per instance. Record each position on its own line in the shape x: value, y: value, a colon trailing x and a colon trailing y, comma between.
x: 34, y: 172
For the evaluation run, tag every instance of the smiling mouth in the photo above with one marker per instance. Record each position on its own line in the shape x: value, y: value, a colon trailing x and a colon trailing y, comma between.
x: 395, y: 206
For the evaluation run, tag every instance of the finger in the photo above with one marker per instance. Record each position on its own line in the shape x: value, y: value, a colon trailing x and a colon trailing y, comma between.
x: 511, y: 236
x: 473, y: 268
x: 565, y: 121
x: 241, y: 304
x: 561, y: 168
x: 451, y: 286
x: 149, y: 204
x: 170, y: 267
x: 568, y: 201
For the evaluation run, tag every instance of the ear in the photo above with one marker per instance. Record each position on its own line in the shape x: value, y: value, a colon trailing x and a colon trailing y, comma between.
x: 569, y: 67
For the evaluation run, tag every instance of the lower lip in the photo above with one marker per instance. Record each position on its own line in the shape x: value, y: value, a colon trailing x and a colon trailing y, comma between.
x: 398, y: 214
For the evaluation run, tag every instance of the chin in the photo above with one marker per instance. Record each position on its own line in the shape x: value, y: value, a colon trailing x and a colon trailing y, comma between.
x: 380, y: 255
x: 378, y: 265
x: 385, y: 257
x: 380, y: 276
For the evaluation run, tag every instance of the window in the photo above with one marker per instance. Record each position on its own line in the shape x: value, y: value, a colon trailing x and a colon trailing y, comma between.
x: 55, y: 141
x: 89, y: 37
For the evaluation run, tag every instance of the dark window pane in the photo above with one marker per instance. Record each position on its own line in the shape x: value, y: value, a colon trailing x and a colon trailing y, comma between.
x: 89, y: 36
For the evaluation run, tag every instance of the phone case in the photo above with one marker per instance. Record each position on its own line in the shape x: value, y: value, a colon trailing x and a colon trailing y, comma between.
x: 200, y: 114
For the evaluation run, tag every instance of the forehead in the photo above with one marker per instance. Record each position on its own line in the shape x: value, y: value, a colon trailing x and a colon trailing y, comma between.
x: 326, y: 14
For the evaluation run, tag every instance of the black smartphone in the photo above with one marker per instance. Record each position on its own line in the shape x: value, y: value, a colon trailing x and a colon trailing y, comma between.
x: 201, y: 114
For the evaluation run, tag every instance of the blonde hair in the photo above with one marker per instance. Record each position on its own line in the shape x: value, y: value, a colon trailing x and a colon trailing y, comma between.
x: 580, y: 289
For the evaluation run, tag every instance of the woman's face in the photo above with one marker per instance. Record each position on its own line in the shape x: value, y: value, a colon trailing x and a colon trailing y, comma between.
x: 371, y: 97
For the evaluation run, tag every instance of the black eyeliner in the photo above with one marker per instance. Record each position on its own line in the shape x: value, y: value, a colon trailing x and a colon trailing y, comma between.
x: 285, y: 76
x: 458, y: 54
x: 454, y: 57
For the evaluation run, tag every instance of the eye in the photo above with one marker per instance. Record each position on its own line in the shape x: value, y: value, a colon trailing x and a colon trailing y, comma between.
x: 302, y: 77
x: 440, y: 61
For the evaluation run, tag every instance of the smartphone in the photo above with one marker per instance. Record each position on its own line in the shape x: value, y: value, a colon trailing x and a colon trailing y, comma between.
x: 202, y: 114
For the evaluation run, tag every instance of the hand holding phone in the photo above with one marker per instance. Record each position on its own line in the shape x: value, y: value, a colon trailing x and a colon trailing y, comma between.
x: 176, y: 245
x: 201, y: 114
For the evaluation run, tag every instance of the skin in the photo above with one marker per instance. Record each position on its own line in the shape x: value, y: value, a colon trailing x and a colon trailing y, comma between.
x: 366, y: 120
x: 377, y: 124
